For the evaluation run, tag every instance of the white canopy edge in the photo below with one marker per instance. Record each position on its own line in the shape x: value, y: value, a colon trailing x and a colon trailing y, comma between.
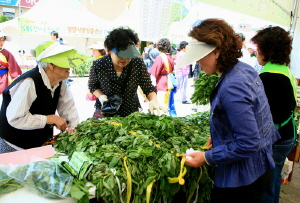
x: 286, y: 5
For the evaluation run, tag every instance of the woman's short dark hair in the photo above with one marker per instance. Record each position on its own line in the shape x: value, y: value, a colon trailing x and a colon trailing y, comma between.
x: 275, y: 44
x: 120, y: 37
x: 183, y: 44
x: 219, y: 33
x: 164, y: 45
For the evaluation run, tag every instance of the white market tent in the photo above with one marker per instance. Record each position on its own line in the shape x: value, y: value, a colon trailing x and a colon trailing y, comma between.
x: 291, y: 7
x: 295, y: 30
x: 150, y: 19
x: 284, y: 13
x: 74, y: 23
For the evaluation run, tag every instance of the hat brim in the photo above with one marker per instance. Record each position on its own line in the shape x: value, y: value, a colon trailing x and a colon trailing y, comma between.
x: 96, y: 46
x: 68, y: 59
x: 7, y: 38
x: 52, y: 50
x: 196, y: 51
x: 130, y: 52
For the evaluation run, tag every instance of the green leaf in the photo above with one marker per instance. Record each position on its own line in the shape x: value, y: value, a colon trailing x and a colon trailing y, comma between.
x: 76, y: 192
x: 114, y: 161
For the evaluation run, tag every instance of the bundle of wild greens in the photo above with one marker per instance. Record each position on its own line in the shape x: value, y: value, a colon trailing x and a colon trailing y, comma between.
x: 44, y: 177
x: 203, y: 88
x: 8, y: 184
x: 137, y: 158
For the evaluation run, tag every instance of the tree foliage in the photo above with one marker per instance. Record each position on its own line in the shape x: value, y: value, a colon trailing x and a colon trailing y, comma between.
x: 3, y: 18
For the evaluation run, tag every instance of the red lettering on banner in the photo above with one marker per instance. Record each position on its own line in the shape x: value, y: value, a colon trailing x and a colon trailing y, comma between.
x: 28, y: 3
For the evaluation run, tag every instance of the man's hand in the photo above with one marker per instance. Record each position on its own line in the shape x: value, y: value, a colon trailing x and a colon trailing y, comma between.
x: 60, y: 123
x: 70, y: 130
x: 154, y: 105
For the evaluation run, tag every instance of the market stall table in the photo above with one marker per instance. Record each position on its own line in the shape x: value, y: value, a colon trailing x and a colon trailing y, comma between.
x: 25, y: 195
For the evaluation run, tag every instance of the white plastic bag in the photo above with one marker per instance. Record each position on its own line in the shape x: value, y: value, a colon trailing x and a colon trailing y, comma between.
x: 44, y: 177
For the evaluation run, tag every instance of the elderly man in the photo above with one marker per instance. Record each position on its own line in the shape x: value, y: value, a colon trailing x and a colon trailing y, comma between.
x: 27, y: 114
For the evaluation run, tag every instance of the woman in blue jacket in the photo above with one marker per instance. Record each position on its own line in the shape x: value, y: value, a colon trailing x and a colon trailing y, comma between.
x: 242, y: 130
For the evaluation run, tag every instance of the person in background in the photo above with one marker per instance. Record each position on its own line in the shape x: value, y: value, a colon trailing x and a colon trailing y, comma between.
x: 257, y: 67
x: 98, y: 51
x: 9, y: 68
x: 173, y: 52
x: 196, y: 72
x: 108, y: 74
x: 281, y: 89
x: 251, y: 52
x: 246, y: 57
x: 27, y: 113
x: 241, y: 126
x: 55, y: 38
x: 147, y: 59
x: 21, y: 53
x: 182, y: 73
x: 163, y: 65
x: 21, y: 58
x: 153, y: 54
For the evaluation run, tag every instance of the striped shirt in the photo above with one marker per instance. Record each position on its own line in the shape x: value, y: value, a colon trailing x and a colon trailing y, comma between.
x: 23, y: 95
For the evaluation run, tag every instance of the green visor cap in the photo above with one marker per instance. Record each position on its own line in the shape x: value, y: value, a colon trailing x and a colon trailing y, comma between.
x: 64, y: 56
x: 68, y: 59
x: 130, y: 52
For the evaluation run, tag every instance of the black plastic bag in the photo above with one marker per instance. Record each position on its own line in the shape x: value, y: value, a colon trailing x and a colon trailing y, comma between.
x: 111, y: 106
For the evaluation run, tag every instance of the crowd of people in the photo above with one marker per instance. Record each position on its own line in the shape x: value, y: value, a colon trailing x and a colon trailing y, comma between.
x: 252, y: 111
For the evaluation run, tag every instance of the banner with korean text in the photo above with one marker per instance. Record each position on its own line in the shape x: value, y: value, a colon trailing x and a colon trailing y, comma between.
x: 73, y: 30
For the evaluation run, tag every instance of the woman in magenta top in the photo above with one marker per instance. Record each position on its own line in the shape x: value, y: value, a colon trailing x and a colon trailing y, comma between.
x: 159, y: 70
x: 8, y: 65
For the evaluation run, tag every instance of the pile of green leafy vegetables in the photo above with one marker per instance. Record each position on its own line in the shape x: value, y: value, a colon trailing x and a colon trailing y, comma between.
x: 203, y: 88
x: 135, y: 157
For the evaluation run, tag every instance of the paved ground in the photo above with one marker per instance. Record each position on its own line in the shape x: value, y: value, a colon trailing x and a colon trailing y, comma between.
x: 290, y: 191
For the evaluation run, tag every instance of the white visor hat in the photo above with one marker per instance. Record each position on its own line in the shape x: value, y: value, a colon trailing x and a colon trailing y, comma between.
x: 2, y: 34
x: 196, y: 51
x: 97, y: 45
